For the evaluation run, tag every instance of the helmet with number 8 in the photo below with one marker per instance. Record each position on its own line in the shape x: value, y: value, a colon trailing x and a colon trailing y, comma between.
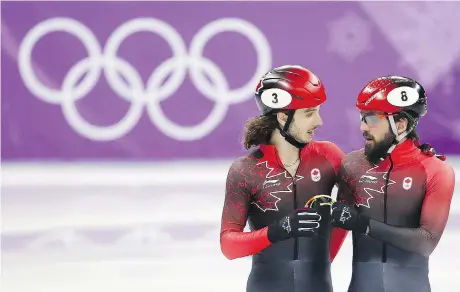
x: 394, y: 95
x: 289, y: 87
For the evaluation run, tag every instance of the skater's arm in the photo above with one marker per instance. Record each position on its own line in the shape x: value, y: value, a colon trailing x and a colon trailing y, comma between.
x: 234, y: 242
x: 434, y: 215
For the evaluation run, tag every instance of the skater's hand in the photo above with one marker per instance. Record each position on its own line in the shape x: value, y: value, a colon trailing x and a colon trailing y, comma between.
x: 300, y: 223
x: 348, y: 218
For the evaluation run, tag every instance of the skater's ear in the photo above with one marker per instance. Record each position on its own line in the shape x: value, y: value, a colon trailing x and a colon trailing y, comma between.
x: 401, y: 125
x: 282, y: 118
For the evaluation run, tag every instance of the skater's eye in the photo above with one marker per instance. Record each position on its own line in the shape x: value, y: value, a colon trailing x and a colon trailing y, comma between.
x: 370, y: 119
x: 373, y: 119
x: 310, y: 112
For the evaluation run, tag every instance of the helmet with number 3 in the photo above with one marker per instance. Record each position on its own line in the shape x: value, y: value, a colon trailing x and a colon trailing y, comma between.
x: 392, y: 95
x: 289, y: 87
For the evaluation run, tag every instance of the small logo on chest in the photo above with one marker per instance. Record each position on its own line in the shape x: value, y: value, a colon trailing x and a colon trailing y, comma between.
x: 271, y: 183
x: 368, y: 179
x: 407, y: 183
x: 315, y: 175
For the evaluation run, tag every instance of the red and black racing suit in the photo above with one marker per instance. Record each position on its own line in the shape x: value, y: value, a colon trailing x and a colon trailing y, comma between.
x: 259, y: 190
x: 408, y: 195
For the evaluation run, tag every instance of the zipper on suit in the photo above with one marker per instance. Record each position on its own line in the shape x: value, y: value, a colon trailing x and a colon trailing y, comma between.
x: 385, y: 211
x: 384, y: 247
x: 294, y: 191
x: 296, y: 240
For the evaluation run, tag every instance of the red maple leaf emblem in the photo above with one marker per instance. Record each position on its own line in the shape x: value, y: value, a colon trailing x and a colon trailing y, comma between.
x: 315, y: 172
x: 267, y: 201
x: 407, y: 180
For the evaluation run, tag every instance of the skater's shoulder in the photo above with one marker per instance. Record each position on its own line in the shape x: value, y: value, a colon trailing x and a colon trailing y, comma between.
x: 325, y: 148
x: 353, y: 158
x: 249, y: 158
x: 353, y: 155
x: 323, y: 145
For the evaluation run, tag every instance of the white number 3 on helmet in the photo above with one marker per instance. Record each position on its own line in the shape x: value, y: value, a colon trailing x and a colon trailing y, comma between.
x: 276, y: 98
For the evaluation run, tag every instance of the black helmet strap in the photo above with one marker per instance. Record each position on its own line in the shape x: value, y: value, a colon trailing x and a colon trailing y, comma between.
x: 285, y: 131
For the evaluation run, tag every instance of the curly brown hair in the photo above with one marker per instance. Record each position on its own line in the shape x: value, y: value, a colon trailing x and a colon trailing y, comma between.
x: 258, y: 130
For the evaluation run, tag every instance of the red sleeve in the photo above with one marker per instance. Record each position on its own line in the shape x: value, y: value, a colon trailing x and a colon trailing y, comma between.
x: 338, y: 236
x: 234, y: 242
x: 435, y: 212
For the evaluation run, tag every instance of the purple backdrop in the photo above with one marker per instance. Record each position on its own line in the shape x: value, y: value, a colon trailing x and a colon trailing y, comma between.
x: 56, y: 111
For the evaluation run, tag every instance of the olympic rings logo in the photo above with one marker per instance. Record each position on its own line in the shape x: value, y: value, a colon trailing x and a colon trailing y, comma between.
x: 126, y: 82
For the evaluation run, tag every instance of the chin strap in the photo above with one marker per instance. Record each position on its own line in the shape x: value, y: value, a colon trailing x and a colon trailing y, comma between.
x: 426, y: 148
x: 398, y: 137
x: 284, y: 132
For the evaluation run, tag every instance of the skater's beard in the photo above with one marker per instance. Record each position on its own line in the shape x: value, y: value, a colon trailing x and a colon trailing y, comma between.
x: 377, y: 150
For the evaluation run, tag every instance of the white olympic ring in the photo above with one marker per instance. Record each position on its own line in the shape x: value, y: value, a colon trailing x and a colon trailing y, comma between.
x: 150, y: 95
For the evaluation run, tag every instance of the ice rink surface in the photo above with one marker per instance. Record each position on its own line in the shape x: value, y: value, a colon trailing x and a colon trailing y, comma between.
x: 136, y: 228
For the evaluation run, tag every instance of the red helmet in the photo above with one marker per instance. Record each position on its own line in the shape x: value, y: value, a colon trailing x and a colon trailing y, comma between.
x: 289, y: 87
x: 393, y: 94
